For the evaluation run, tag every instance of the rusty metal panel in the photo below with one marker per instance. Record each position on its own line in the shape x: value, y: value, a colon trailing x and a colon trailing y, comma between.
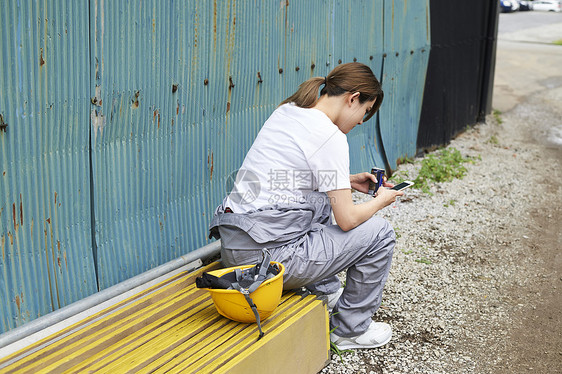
x: 358, y: 32
x: 176, y: 110
x: 174, y: 94
x: 45, y: 235
x: 406, y: 47
x: 183, y: 88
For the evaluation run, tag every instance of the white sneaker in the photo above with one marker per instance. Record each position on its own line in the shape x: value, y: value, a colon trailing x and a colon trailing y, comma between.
x: 333, y: 299
x: 378, y: 334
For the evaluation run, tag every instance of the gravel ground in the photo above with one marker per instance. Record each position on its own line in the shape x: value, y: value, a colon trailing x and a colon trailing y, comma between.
x: 464, y: 250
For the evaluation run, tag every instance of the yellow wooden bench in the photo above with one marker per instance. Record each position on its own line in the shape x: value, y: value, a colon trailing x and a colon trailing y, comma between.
x: 173, y: 327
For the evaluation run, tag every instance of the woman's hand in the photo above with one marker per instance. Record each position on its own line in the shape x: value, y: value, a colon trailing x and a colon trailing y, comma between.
x: 349, y: 215
x: 360, y: 182
x: 387, y: 195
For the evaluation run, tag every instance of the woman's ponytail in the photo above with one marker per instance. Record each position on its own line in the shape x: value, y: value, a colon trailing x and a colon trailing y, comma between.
x: 307, y: 94
x: 351, y: 77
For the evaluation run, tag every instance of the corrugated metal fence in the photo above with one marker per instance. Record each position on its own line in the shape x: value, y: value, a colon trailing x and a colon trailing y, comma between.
x: 460, y: 74
x: 125, y: 120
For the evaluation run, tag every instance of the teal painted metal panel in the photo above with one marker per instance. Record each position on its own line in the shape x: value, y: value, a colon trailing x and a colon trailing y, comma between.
x: 174, y: 94
x: 45, y: 234
x: 406, y: 45
x: 357, y: 34
x: 207, y: 75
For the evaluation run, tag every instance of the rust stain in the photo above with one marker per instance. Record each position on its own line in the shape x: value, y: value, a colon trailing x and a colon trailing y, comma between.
x: 18, y: 303
x: 65, y: 262
x: 214, y: 25
x: 11, y: 238
x: 56, y: 195
x: 41, y: 60
x: 58, y: 262
x: 135, y: 101
x: 32, y: 227
x: 155, y: 114
x: 228, y: 107
x: 21, y: 211
x: 14, y: 216
x: 178, y: 109
x: 3, y: 127
x: 49, y: 221
x: 3, y: 242
x: 196, y: 30
x: 211, y: 163
x: 58, y: 245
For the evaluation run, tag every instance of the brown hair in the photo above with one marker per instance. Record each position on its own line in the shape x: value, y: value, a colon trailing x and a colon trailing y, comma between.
x: 351, y: 77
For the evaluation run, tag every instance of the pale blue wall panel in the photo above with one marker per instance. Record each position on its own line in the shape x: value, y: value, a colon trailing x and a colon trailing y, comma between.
x: 165, y: 162
x: 406, y: 44
x: 45, y: 234
x: 176, y: 102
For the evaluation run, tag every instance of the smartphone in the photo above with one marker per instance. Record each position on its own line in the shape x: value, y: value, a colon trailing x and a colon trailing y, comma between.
x: 403, y: 185
x: 379, y: 174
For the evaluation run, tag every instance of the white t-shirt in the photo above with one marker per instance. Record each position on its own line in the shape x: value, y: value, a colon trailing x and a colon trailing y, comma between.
x: 298, y: 150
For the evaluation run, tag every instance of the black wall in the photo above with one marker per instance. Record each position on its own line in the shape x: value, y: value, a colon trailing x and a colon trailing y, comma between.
x: 460, y: 74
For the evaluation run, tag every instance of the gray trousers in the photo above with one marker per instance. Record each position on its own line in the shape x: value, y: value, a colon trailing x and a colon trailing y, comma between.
x: 366, y: 253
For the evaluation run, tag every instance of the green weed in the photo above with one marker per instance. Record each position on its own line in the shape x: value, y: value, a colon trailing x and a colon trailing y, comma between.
x: 557, y: 42
x: 406, y: 252
x: 405, y: 160
x: 423, y: 260
x: 493, y: 140
x: 334, y: 348
x: 400, y: 176
x: 450, y: 203
x: 497, y: 115
x: 446, y: 166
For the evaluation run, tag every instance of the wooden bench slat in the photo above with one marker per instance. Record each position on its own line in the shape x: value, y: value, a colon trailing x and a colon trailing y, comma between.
x: 75, y: 334
x: 167, y: 344
x: 241, y: 340
x: 174, y: 327
x: 103, y: 353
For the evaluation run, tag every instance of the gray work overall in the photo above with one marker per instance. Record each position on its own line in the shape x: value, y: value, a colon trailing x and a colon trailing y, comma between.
x: 313, y: 251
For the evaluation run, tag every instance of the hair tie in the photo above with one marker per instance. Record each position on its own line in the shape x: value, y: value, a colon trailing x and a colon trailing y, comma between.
x: 325, y: 81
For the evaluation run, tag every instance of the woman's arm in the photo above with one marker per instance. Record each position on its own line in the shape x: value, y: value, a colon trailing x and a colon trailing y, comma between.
x: 349, y: 215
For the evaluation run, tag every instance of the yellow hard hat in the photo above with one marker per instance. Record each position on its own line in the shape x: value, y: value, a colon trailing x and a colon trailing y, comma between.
x: 233, y: 304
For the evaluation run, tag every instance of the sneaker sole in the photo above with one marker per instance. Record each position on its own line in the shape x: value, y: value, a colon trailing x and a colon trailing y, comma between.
x: 350, y: 345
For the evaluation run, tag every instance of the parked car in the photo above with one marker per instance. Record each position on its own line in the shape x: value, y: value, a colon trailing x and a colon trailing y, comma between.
x: 525, y: 5
x: 508, y: 6
x: 548, y: 5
